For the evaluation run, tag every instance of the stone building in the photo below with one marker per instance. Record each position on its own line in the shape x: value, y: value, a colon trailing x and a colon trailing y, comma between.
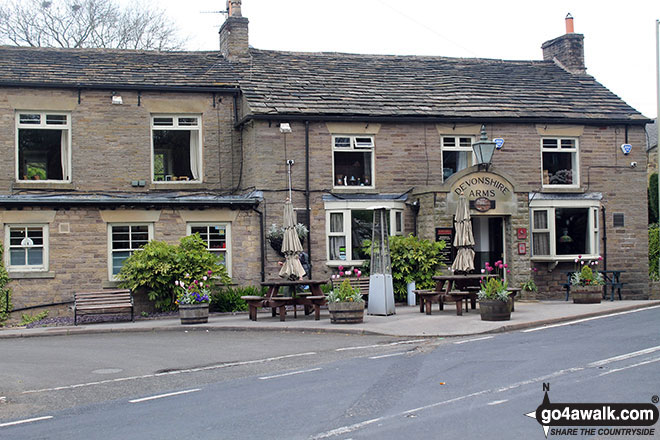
x: 107, y: 149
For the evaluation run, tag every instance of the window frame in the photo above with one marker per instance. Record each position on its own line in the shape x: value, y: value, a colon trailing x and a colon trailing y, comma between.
x: 574, y: 151
x: 593, y: 225
x: 43, y: 125
x: 228, y: 248
x: 345, y: 209
x: 457, y: 148
x: 150, y: 233
x: 355, y: 148
x: 46, y: 245
x: 177, y: 127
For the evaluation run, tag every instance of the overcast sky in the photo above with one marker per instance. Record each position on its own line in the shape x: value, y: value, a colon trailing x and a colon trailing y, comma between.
x: 619, y: 37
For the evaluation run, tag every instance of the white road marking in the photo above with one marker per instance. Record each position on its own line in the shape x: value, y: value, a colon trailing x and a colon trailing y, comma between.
x: 169, y: 373
x: 497, y: 402
x: 289, y: 374
x: 20, y: 422
x: 578, y: 321
x: 413, y: 341
x: 474, y: 339
x: 160, y: 396
x: 630, y: 366
x: 625, y: 356
x: 388, y: 355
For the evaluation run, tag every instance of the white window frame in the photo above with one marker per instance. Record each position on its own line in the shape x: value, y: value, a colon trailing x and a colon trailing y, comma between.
x: 549, y: 206
x: 43, y: 125
x: 357, y: 147
x: 177, y: 126
x: 457, y: 147
x: 227, y: 249
x: 345, y: 208
x: 575, y: 153
x: 150, y: 231
x: 26, y: 268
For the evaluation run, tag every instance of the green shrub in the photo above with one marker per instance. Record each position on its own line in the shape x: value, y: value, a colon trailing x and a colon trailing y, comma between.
x: 413, y: 259
x: 654, y: 251
x: 653, y: 198
x: 229, y: 299
x: 157, y: 265
x: 5, y: 292
x: 29, y: 319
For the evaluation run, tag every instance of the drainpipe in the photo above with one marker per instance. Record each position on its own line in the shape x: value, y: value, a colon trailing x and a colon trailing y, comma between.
x: 604, y: 228
x: 415, y: 209
x: 262, y: 241
x: 307, y: 201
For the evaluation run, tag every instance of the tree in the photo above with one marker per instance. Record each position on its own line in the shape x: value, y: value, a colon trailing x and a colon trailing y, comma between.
x: 86, y: 23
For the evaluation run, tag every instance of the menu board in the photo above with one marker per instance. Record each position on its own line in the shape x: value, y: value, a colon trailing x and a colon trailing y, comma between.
x: 446, y: 235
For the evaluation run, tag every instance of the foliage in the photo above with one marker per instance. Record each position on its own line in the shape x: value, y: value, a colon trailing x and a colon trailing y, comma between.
x: 345, y: 293
x: 654, y: 251
x: 413, y: 259
x: 158, y: 265
x: 89, y: 23
x: 275, y: 235
x: 493, y: 288
x: 27, y: 319
x: 529, y: 284
x: 584, y: 275
x: 193, y: 291
x: 229, y: 299
x: 653, y: 198
x: 5, y: 292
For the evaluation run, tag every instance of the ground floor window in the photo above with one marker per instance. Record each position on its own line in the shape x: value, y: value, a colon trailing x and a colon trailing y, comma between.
x: 124, y: 239
x: 347, y: 229
x: 563, y: 232
x: 27, y: 248
x: 217, y: 239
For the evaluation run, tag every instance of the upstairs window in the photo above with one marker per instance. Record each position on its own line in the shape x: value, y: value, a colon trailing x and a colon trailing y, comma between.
x: 177, y: 151
x: 353, y: 160
x: 457, y: 154
x: 560, y: 162
x: 43, y: 146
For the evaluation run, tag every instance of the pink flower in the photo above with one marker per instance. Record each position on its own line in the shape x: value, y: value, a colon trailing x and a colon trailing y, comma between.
x: 176, y: 283
x: 508, y: 271
x: 355, y: 270
x: 204, y: 278
x: 600, y: 258
x: 483, y: 270
x: 209, y: 272
x: 341, y: 269
x: 359, y: 273
x: 341, y: 272
x: 576, y: 260
x: 506, y: 265
x: 580, y: 257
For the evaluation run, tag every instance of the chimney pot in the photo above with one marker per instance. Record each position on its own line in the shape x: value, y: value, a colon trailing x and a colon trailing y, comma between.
x: 569, y: 24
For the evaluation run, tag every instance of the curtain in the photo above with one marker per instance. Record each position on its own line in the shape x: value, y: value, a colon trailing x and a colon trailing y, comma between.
x: 540, y: 240
x: 64, y: 154
x: 194, y: 154
x: 462, y: 162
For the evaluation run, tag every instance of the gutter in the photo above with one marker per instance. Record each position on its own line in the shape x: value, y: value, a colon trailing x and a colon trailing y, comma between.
x: 134, y: 87
x: 438, y: 119
x: 45, y: 201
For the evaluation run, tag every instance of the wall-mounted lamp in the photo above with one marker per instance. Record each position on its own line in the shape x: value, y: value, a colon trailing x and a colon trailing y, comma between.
x: 285, y: 127
x: 116, y: 99
x: 484, y: 149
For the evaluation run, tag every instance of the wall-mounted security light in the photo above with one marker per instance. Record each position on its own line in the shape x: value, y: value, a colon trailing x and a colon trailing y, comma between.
x: 116, y: 99
x: 285, y: 127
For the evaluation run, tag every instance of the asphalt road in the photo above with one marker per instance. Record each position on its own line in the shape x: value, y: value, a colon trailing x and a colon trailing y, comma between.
x: 245, y: 385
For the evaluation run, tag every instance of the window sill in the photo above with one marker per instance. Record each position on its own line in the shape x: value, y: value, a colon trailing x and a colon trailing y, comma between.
x: 36, y: 184
x: 110, y: 284
x: 177, y: 185
x: 335, y: 263
x: 562, y: 189
x: 355, y: 189
x: 30, y: 275
x: 563, y: 258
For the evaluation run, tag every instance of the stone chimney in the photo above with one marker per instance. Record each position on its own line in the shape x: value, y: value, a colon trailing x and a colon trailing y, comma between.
x: 234, y: 33
x: 567, y: 50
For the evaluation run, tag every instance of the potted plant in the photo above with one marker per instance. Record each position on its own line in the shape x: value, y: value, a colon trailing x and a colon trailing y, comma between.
x: 275, y: 235
x: 529, y: 286
x: 193, y: 298
x: 586, y: 283
x: 345, y: 304
x: 494, y: 301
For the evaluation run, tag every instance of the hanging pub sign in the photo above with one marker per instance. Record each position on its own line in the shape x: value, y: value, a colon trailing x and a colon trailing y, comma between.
x: 486, y: 192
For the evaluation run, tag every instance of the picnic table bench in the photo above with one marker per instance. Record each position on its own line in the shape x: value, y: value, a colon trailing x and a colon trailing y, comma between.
x: 102, y: 302
x: 278, y: 303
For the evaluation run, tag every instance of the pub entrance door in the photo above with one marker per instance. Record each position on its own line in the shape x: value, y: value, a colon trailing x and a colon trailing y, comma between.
x: 489, y: 240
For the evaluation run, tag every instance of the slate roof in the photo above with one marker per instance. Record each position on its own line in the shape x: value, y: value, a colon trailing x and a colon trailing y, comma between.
x: 419, y: 86
x: 101, y: 67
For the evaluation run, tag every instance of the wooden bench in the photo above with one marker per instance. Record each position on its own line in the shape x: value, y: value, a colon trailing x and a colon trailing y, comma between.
x: 102, y: 303
x: 362, y: 283
x: 427, y: 298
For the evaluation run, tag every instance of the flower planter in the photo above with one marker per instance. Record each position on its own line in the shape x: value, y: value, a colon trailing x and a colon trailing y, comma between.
x: 346, y: 312
x: 587, y: 294
x: 194, y: 313
x: 495, y: 310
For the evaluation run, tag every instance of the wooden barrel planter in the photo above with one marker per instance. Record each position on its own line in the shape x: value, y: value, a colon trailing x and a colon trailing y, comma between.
x: 587, y: 294
x: 194, y: 313
x: 495, y: 310
x: 346, y: 312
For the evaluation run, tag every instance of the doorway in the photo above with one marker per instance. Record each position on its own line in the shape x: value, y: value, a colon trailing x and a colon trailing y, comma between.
x: 489, y: 240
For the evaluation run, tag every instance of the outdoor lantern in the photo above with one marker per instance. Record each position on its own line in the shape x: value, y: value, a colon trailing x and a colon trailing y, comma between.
x: 484, y: 149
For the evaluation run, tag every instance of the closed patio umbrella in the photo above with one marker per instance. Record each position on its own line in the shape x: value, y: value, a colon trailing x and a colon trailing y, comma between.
x: 463, y: 240
x: 291, y: 246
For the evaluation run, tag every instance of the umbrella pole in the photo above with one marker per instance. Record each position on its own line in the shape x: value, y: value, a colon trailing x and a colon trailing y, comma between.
x: 289, y: 163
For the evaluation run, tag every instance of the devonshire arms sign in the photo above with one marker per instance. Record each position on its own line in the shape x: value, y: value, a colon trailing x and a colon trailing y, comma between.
x: 487, y: 193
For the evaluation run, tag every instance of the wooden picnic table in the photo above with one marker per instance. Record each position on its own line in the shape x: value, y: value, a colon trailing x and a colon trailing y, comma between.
x: 277, y: 302
x: 451, y: 288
